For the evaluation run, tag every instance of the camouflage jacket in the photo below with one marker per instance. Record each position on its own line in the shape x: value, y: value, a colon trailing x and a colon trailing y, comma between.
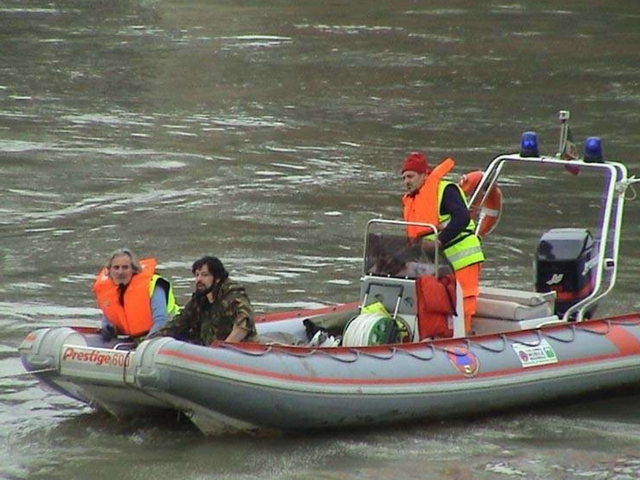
x: 201, y: 321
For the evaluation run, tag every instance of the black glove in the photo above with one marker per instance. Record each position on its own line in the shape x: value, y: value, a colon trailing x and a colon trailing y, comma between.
x: 108, y: 333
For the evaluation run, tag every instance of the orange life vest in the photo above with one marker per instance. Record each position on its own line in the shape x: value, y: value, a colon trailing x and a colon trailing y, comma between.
x: 424, y: 205
x: 135, y: 317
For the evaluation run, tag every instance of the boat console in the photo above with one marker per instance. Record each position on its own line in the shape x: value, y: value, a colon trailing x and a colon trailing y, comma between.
x: 392, y: 264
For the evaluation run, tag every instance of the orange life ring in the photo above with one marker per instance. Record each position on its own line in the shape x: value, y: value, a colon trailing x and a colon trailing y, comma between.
x: 488, y: 216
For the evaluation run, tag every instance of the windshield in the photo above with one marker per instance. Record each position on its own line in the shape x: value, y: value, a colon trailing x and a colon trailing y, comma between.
x: 390, y: 253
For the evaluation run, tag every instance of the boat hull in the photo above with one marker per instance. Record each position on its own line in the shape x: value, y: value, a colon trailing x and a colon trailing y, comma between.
x: 294, y: 388
x: 246, y: 387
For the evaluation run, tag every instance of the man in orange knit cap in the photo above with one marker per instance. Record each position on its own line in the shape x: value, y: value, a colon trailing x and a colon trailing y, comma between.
x: 431, y: 199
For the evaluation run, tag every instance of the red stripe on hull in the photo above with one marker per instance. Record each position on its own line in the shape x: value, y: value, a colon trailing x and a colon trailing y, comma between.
x: 625, y: 342
x: 310, y: 312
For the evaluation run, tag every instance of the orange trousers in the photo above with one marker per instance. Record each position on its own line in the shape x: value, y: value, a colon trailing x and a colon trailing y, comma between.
x: 469, y: 278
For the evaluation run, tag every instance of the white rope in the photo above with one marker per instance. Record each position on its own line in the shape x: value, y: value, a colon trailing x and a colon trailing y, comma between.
x: 360, y: 329
x: 633, y: 180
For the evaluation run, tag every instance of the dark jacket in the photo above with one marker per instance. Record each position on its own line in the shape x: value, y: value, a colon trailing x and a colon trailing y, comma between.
x: 202, y: 322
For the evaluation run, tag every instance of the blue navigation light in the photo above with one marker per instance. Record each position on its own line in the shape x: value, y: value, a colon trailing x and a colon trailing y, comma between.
x: 529, y: 144
x: 593, y: 150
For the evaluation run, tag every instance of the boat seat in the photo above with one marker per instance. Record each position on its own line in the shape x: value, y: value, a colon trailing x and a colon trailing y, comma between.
x: 506, y: 310
x: 515, y: 305
x: 483, y: 325
x: 503, y: 310
x: 519, y: 296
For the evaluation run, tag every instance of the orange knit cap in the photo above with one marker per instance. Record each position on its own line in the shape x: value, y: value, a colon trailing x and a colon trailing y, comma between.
x: 416, y: 162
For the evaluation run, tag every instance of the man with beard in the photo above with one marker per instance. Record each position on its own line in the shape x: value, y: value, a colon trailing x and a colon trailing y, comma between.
x: 219, y: 309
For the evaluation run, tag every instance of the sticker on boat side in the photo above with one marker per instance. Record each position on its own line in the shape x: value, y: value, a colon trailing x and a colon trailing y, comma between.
x: 464, y: 361
x: 99, y: 358
x: 541, y: 354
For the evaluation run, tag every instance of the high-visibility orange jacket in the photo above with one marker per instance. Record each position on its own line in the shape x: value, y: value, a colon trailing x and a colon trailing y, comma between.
x: 424, y: 207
